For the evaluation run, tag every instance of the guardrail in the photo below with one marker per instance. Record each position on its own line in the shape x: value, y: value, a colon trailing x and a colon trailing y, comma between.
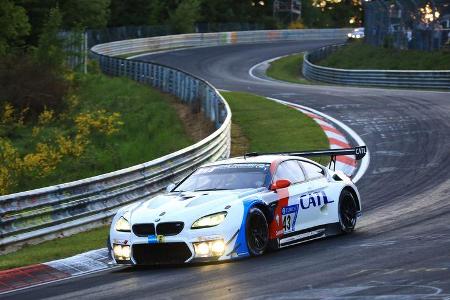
x: 386, y: 78
x: 36, y: 215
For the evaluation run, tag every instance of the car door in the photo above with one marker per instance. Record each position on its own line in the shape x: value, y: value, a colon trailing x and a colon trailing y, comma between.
x: 319, y: 200
x: 291, y: 212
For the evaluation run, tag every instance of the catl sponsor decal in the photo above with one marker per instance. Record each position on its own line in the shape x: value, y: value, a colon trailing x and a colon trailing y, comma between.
x: 313, y: 200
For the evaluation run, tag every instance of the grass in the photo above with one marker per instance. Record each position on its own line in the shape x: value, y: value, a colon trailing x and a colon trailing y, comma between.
x: 258, y: 125
x: 358, y: 55
x: 151, y: 129
x: 56, y: 249
x: 288, y: 69
x: 270, y: 126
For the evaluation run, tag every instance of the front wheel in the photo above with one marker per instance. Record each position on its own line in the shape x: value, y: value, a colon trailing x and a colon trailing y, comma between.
x: 347, y: 212
x: 256, y: 232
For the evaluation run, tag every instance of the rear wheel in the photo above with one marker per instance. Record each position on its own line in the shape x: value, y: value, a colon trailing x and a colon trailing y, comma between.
x: 347, y: 212
x: 257, y: 232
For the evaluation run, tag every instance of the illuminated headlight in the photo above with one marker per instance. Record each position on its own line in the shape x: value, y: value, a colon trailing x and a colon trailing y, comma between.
x: 349, y: 35
x: 209, y: 221
x: 358, y: 36
x: 213, y: 248
x: 122, y: 225
x: 121, y: 252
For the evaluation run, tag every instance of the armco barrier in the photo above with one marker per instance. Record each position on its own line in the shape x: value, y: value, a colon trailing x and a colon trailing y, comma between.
x: 45, y: 213
x: 387, y: 78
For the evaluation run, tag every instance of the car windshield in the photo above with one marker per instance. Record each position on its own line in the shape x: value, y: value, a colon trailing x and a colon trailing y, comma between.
x: 225, y: 177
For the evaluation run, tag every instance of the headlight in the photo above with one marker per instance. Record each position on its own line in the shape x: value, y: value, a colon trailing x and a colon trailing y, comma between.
x: 349, y: 34
x: 209, y: 221
x: 122, y: 225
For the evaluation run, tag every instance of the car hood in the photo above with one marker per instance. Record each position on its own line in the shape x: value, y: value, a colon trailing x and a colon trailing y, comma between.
x: 186, y: 206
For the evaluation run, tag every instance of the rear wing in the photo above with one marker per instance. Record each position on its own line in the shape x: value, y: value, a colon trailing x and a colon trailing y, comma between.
x: 359, y: 152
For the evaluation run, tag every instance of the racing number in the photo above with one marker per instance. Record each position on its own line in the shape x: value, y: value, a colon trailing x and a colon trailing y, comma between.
x: 287, y: 223
x: 289, y: 215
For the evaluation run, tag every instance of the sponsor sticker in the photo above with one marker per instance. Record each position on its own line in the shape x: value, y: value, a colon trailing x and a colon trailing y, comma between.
x: 289, y: 217
x: 155, y: 239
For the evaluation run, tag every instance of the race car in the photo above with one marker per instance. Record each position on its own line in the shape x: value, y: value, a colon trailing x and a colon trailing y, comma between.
x: 237, y: 208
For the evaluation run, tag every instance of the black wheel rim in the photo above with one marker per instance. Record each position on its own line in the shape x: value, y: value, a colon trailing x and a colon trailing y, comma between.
x: 258, y: 233
x: 348, y: 213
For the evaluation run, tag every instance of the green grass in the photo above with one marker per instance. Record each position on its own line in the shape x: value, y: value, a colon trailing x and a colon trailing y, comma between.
x: 358, y: 55
x: 270, y: 126
x: 288, y: 69
x: 56, y: 249
x: 151, y: 129
x: 266, y: 126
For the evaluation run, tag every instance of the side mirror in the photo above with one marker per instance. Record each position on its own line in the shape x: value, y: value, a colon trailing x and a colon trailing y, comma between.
x: 280, y: 184
x: 170, y: 187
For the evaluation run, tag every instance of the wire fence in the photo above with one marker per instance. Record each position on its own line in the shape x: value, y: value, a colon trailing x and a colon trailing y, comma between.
x: 408, y: 24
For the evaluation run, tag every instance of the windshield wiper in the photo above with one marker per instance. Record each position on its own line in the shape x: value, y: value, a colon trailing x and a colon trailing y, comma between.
x: 205, y: 190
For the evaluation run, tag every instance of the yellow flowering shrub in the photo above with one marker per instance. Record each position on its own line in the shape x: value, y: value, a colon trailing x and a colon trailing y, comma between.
x: 10, y: 164
x: 7, y: 114
x: 43, y: 161
x: 51, y: 145
x: 45, y: 117
x: 98, y: 120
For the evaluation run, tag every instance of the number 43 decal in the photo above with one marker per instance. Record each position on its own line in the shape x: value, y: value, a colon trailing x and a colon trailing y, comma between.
x: 289, y: 216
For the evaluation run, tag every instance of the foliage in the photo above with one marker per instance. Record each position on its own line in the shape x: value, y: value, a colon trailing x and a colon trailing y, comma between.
x: 52, y: 143
x: 27, y: 84
x: 50, y: 51
x: 13, y: 26
x: 106, y: 124
x: 75, y: 14
x: 320, y: 14
x: 296, y: 25
x: 358, y: 55
x: 183, y: 19
x: 85, y: 13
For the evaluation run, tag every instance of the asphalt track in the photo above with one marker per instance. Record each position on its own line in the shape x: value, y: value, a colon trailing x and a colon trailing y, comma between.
x: 401, y: 248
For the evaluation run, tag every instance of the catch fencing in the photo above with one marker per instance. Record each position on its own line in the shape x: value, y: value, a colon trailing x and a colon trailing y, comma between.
x: 391, y: 78
x: 46, y: 213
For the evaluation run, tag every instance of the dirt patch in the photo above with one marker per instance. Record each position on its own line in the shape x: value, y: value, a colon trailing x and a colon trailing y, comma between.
x: 239, y: 142
x: 197, y: 126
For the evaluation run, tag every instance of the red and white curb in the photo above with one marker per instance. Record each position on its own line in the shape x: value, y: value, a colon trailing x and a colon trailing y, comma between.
x: 82, y: 264
x: 336, y: 139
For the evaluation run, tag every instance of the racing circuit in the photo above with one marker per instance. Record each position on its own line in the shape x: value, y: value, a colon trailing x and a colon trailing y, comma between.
x: 401, y: 247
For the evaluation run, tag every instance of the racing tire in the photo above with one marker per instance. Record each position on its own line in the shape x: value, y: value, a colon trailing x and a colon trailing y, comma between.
x: 348, y: 210
x: 256, y: 232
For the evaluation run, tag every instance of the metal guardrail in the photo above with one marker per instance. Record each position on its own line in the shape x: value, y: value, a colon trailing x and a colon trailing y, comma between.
x: 386, y: 78
x: 46, y: 213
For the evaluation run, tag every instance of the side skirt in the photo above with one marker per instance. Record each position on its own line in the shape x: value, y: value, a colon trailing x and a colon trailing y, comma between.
x: 304, y: 235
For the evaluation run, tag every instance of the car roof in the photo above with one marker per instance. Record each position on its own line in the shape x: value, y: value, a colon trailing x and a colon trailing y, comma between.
x: 260, y: 159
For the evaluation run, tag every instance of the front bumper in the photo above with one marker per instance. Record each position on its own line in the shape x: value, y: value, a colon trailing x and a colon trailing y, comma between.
x: 173, y: 250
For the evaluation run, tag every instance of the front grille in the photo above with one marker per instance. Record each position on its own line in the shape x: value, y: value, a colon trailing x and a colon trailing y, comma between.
x: 144, y: 229
x: 166, y: 253
x: 169, y: 228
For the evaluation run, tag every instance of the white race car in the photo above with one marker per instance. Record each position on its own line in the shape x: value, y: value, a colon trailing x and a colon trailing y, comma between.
x: 238, y: 207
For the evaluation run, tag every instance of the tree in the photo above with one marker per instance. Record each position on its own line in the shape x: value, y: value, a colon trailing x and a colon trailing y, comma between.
x: 14, y: 26
x: 183, y: 19
x: 50, y: 50
x: 85, y: 13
